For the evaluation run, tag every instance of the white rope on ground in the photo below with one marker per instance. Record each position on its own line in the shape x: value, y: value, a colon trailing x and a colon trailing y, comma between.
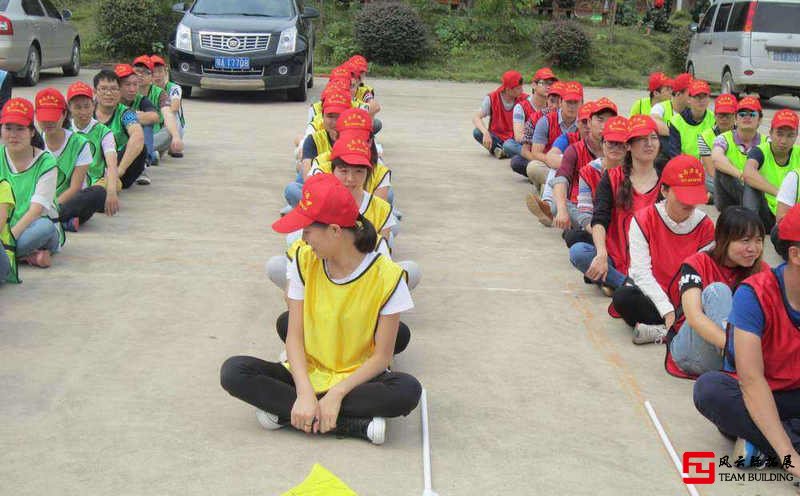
x: 667, y: 444
x: 426, y: 446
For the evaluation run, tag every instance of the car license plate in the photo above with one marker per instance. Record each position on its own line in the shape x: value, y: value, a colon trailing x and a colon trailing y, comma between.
x: 231, y: 63
x: 786, y: 56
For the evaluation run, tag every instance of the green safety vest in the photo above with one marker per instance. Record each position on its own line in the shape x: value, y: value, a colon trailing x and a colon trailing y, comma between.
x: 168, y: 87
x: 709, y: 136
x: 689, y: 133
x: 95, y: 136
x: 667, y: 104
x: 154, y: 95
x: 735, y: 156
x: 24, y: 183
x: 642, y: 107
x: 115, y: 124
x: 66, y: 161
x: 774, y: 173
x: 9, y: 243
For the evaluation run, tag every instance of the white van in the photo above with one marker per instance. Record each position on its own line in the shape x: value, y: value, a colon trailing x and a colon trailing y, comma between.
x: 749, y: 46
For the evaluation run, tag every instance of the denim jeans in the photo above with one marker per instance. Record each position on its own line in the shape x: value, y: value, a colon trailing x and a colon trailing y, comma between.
x: 478, y: 135
x: 718, y: 397
x: 41, y: 234
x: 691, y: 352
x: 728, y: 191
x: 581, y: 256
x: 512, y: 148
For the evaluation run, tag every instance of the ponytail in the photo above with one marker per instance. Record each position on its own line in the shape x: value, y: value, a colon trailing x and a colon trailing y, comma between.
x: 625, y: 199
x: 366, y: 237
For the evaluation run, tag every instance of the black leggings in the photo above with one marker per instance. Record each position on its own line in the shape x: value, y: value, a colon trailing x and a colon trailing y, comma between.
x: 634, y: 306
x: 134, y: 170
x: 270, y: 387
x: 400, y: 344
x: 84, y: 204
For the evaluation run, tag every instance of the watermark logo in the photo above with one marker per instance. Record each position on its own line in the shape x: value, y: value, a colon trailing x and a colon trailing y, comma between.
x: 705, y: 473
x: 700, y: 467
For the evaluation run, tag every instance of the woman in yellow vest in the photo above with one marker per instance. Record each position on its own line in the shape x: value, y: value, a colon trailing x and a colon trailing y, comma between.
x: 32, y: 174
x: 345, y: 302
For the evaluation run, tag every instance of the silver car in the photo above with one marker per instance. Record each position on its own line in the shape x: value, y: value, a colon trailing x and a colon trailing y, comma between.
x: 749, y: 46
x: 34, y: 35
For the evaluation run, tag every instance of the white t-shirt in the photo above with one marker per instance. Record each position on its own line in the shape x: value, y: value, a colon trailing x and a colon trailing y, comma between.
x: 787, y: 194
x: 400, y: 301
x: 657, y: 110
x: 84, y: 157
x: 109, y: 144
x: 45, y: 192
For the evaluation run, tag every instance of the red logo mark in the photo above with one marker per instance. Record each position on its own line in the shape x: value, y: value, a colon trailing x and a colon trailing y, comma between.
x: 704, y: 474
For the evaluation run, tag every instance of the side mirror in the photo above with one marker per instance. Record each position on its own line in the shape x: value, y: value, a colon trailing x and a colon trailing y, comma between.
x: 179, y: 7
x: 693, y: 27
x: 66, y: 14
x: 310, y: 13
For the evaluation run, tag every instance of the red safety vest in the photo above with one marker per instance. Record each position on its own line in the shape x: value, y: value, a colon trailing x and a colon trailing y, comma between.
x: 617, y: 233
x: 553, y: 130
x: 573, y: 137
x: 780, y: 343
x: 501, y: 121
x: 585, y: 156
x: 591, y: 177
x: 668, y: 250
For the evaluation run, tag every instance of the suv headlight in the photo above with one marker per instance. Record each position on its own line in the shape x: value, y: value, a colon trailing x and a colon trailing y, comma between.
x: 183, y: 38
x: 287, y: 41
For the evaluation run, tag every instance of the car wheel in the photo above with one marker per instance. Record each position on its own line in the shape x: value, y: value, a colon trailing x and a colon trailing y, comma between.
x: 74, y: 66
x: 727, y: 85
x: 298, y: 94
x: 33, y: 69
x: 310, y: 83
x: 186, y: 91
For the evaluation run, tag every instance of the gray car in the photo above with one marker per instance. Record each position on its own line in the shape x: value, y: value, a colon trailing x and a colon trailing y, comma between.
x: 244, y: 45
x: 34, y: 35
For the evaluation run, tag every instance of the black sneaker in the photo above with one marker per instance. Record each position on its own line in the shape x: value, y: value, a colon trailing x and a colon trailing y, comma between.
x: 369, y: 429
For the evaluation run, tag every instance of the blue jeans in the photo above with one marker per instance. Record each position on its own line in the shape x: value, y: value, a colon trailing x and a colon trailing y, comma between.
x: 581, y: 256
x: 148, y: 139
x: 478, y: 135
x: 41, y: 234
x: 512, y: 148
x: 691, y: 352
x: 292, y: 193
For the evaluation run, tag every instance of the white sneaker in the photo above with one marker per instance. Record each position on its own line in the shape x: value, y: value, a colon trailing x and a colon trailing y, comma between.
x: 267, y: 420
x: 143, y: 180
x: 376, y: 430
x: 649, y: 333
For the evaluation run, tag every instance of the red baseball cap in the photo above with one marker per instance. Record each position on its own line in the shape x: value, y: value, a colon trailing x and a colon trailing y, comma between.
x: 157, y: 60
x: 684, y: 174
x: 144, y: 60
x: 725, y: 104
x: 784, y: 118
x: 124, y: 70
x: 557, y: 88
x: 359, y: 63
x: 341, y: 72
x: 641, y: 125
x: 604, y: 104
x: 50, y: 105
x: 325, y: 200
x: 17, y: 111
x: 511, y: 79
x: 658, y: 80
x: 681, y: 82
x: 336, y: 103
x: 354, y: 119
x: 338, y: 84
x: 699, y: 87
x: 586, y: 111
x: 354, y: 148
x: 573, y: 91
x: 749, y: 103
x: 544, y: 73
x: 79, y: 88
x: 789, y: 226
x: 616, y: 129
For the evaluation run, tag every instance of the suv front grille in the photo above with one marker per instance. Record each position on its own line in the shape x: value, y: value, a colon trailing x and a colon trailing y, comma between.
x: 253, y: 71
x: 233, y: 42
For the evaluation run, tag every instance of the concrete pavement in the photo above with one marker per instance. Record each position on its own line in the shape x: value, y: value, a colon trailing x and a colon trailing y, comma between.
x: 109, y: 372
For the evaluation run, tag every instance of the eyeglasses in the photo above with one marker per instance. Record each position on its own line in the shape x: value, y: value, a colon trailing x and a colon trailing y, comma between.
x: 107, y: 90
x: 747, y: 113
x: 613, y: 145
x: 545, y: 82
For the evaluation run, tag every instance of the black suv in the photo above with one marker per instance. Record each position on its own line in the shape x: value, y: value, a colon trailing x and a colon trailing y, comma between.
x: 244, y: 45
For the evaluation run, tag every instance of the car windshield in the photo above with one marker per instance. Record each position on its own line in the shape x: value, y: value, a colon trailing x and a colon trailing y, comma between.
x: 257, y: 8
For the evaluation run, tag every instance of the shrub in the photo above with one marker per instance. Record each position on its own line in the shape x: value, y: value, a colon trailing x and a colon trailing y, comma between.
x: 627, y: 15
x: 335, y: 43
x: 390, y: 32
x: 564, y: 43
x: 679, y: 48
x: 128, y: 29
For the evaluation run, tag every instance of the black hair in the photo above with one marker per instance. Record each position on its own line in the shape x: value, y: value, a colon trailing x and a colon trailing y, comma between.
x: 105, y: 75
x: 782, y: 247
x: 733, y: 224
x: 366, y: 238
x: 338, y: 162
x: 625, y: 199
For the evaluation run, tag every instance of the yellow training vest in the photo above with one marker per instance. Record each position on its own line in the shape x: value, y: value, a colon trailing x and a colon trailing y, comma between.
x: 322, y: 141
x: 340, y: 320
